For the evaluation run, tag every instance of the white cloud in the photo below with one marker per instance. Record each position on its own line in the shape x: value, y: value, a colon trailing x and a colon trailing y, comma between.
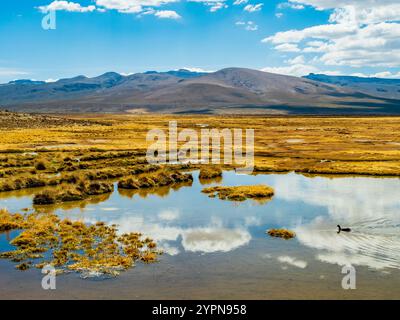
x: 195, y: 69
x: 167, y: 14
x: 249, y: 25
x: 239, y: 2
x: 386, y: 74
x: 359, y: 74
x: 217, y: 6
x: 296, y: 70
x: 279, y: 15
x: 6, y: 72
x: 214, y: 5
x: 66, y: 6
x: 359, y: 33
x: 132, y: 6
x: 253, y: 7
x: 297, y: 60
x: 122, y: 6
x: 328, y: 31
x: 294, y: 6
x: 287, y: 47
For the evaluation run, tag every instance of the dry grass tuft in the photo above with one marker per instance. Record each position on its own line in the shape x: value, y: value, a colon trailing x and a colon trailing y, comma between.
x: 72, y: 193
x: 152, y: 180
x: 240, y: 193
x: 210, y: 172
x: 281, y: 233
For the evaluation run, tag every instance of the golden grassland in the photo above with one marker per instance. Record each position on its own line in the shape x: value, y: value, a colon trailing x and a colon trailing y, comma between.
x: 314, y: 145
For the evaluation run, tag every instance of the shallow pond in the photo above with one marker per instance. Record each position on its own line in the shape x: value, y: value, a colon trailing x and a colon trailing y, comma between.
x: 219, y: 249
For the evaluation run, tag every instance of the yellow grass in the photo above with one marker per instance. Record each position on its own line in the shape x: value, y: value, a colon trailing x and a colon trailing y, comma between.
x: 240, y: 193
x: 74, y: 245
x: 320, y: 145
x: 210, y: 172
x: 281, y: 233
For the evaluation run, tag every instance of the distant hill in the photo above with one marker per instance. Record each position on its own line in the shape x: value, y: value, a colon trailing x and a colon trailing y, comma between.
x: 386, y: 88
x: 231, y: 90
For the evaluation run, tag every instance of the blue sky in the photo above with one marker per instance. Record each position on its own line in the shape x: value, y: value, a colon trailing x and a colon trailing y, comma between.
x: 127, y: 36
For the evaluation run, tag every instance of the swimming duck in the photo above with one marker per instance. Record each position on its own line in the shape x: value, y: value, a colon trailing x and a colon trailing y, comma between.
x: 340, y: 229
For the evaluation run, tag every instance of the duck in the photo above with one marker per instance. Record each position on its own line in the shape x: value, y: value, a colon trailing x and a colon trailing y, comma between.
x: 340, y: 229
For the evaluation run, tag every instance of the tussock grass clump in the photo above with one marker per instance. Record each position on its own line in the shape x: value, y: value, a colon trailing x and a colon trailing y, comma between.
x: 45, y: 197
x: 95, y: 249
x: 210, y: 172
x: 95, y: 188
x: 281, y: 233
x: 158, y: 179
x: 72, y: 193
x: 32, y: 180
x: 22, y: 182
x: 41, y: 165
x: 10, y: 222
x: 240, y: 193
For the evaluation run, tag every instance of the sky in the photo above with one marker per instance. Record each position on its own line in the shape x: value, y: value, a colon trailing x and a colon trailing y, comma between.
x: 91, y: 37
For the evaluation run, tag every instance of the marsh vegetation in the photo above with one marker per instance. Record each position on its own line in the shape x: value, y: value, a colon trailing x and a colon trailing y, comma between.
x: 80, y: 158
x: 281, y: 233
x: 45, y: 239
x: 240, y: 193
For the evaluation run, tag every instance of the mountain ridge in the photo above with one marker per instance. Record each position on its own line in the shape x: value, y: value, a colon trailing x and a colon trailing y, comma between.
x: 380, y: 87
x: 229, y: 90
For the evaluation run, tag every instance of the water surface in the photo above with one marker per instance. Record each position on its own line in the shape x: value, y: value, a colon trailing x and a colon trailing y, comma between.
x: 219, y: 249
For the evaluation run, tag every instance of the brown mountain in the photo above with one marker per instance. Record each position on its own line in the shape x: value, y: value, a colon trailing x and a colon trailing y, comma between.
x: 231, y: 90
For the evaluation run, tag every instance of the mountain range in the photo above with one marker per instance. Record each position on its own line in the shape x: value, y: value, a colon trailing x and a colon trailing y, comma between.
x: 227, y: 91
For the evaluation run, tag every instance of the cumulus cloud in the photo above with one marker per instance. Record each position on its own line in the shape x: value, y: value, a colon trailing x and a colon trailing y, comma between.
x: 163, y: 14
x: 66, y: 6
x: 359, y: 33
x: 326, y: 32
x: 145, y: 7
x: 167, y: 14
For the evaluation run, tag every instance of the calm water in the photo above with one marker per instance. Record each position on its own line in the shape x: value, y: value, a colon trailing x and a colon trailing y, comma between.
x: 219, y: 249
